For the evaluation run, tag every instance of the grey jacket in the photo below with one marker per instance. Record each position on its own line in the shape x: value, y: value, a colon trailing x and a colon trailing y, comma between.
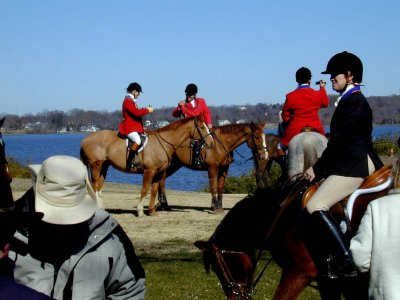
x: 103, y: 269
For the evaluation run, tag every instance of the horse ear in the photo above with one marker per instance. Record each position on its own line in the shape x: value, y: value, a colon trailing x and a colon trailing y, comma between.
x: 2, y: 121
x: 202, y: 245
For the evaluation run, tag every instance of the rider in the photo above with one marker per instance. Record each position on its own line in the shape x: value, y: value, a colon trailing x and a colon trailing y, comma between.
x: 347, y: 160
x: 300, y: 110
x: 193, y: 107
x: 132, y: 124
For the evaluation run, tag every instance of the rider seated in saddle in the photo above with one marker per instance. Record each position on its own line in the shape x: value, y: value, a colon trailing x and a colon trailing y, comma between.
x: 347, y: 160
x: 193, y: 107
x: 300, y: 110
x: 132, y: 124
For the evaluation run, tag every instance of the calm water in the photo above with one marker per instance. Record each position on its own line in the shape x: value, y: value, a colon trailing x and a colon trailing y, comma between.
x: 35, y: 148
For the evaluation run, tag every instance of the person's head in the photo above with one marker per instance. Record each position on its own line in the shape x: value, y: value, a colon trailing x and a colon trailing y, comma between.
x: 303, y: 75
x: 10, y: 221
x: 63, y: 192
x: 191, y: 91
x: 134, y: 89
x: 345, y: 68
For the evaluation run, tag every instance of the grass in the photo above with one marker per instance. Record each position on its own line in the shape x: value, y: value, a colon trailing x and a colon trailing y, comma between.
x: 182, y: 276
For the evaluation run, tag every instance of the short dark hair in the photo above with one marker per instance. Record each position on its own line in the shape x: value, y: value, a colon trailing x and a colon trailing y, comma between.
x: 134, y: 86
x: 303, y: 75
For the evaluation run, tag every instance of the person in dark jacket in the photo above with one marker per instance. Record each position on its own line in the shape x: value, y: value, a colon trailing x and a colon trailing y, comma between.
x: 10, y: 221
x: 347, y: 160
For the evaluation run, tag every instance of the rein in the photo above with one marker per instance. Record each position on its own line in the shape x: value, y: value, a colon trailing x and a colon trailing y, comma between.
x: 236, y: 288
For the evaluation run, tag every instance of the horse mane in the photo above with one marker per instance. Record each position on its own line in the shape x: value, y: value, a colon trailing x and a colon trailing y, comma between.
x: 233, y: 128
x: 244, y: 226
x: 173, y: 126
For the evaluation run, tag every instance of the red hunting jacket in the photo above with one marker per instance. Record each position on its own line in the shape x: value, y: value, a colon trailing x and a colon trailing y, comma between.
x: 301, y: 109
x: 132, y: 117
x: 200, y: 109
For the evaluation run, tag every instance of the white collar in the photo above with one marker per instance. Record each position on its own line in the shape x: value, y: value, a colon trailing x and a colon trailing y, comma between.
x: 131, y: 96
x: 349, y: 86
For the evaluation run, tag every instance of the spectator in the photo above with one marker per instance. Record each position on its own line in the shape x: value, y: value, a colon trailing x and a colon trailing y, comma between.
x: 376, y: 245
x: 10, y: 221
x: 78, y: 251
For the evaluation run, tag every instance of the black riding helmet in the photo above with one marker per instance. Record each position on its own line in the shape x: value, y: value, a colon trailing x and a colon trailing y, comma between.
x: 134, y: 86
x: 342, y: 62
x: 303, y: 75
x: 191, y: 89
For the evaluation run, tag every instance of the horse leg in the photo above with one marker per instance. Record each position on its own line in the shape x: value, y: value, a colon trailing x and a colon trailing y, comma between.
x: 147, y: 178
x: 97, y: 181
x: 216, y: 206
x: 222, y: 173
x: 174, y: 166
x: 291, y: 285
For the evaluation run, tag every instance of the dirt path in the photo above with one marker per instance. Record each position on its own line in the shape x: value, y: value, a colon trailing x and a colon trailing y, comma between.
x: 189, y: 220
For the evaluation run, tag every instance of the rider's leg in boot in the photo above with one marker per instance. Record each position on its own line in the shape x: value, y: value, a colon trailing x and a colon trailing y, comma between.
x: 281, y: 160
x: 131, y: 157
x: 196, y: 154
x: 342, y: 262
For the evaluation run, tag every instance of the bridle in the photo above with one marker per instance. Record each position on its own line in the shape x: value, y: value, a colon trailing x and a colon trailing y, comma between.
x: 203, y: 138
x: 257, y: 151
x: 242, y: 291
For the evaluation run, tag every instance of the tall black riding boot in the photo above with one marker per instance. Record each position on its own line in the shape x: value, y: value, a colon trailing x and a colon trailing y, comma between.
x: 340, y: 261
x: 282, y: 161
x: 196, y: 154
x: 130, y: 164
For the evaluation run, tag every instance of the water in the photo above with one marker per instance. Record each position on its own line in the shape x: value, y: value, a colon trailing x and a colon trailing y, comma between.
x: 35, y: 148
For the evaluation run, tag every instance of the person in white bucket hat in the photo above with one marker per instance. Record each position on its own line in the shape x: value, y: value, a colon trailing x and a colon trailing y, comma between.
x: 77, y: 251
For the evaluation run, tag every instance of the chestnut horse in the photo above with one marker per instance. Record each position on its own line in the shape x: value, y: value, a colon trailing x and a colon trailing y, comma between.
x: 216, y: 160
x: 266, y: 220
x: 6, y: 197
x: 103, y: 148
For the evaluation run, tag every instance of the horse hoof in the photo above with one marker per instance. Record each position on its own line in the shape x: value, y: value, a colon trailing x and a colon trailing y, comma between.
x: 218, y: 210
x: 163, y: 206
x: 140, y: 213
x: 153, y: 212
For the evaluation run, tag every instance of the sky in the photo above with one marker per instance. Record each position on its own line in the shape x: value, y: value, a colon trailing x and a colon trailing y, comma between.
x: 82, y: 54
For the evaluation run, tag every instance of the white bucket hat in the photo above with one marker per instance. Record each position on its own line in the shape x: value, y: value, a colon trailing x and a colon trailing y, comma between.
x: 62, y: 190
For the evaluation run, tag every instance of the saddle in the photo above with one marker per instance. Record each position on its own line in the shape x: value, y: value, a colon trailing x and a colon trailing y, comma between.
x: 144, y: 138
x: 371, y: 188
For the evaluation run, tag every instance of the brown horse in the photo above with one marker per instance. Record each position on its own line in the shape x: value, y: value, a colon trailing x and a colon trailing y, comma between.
x: 262, y: 221
x: 6, y: 197
x: 103, y: 148
x: 216, y: 160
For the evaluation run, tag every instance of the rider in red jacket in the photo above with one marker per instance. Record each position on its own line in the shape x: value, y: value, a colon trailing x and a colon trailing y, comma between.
x: 132, y: 124
x: 302, y: 106
x: 193, y: 107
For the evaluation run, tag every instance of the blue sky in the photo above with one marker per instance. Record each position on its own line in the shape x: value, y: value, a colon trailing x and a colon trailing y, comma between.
x: 61, y: 55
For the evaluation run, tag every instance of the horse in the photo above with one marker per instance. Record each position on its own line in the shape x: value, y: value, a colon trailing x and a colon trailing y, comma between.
x: 216, y: 160
x: 303, y: 152
x: 265, y: 221
x: 103, y: 148
x: 6, y: 199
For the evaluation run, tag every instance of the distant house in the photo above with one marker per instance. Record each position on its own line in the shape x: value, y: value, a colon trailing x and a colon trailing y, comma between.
x: 241, y: 121
x: 223, y: 122
x: 89, y: 128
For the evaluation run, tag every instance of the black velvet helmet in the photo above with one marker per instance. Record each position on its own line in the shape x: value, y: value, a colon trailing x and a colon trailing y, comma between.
x: 303, y: 75
x: 134, y: 86
x: 342, y: 62
x: 191, y: 89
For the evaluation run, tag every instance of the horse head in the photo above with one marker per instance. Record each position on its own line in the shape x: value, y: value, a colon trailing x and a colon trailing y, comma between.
x: 203, y: 132
x: 256, y: 141
x: 233, y: 269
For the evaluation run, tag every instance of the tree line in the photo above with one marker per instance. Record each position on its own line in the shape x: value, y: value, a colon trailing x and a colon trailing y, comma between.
x: 386, y: 110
